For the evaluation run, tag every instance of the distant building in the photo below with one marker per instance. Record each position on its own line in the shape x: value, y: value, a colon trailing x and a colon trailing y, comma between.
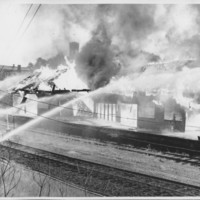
x: 6, y: 71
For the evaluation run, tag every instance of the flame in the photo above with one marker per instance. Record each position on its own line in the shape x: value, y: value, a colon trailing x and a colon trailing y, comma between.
x: 70, y: 80
x: 64, y: 77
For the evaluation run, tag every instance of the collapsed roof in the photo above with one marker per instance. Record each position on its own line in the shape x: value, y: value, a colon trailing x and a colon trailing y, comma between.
x: 48, y: 80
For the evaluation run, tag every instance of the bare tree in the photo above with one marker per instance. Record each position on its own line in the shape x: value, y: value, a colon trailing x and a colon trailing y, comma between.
x: 63, y: 191
x: 88, y: 178
x: 107, y: 184
x: 9, y: 175
x: 42, y: 182
x: 48, y: 189
x: 78, y: 167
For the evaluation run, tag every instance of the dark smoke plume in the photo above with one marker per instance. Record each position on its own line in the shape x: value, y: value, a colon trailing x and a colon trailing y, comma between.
x: 96, y: 61
x: 133, y: 34
x: 135, y: 21
x: 52, y: 62
x: 130, y: 21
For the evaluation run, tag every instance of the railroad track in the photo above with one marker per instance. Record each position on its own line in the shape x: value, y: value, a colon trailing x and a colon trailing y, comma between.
x: 159, y: 143
x: 101, y: 179
x: 136, y: 142
x: 182, y: 156
x: 173, y: 156
x: 177, y: 154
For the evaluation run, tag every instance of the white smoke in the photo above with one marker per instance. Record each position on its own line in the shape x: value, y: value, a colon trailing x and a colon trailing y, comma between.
x: 53, y: 27
x: 170, y: 32
x: 11, y: 81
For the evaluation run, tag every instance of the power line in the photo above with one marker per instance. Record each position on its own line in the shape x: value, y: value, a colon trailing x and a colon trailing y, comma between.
x: 35, y: 114
x: 13, y: 49
x: 73, y: 109
x: 117, y: 116
x: 24, y: 19
x: 31, y: 20
x: 44, y: 117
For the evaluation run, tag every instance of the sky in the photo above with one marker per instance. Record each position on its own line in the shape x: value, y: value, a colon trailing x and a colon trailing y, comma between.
x: 165, y: 32
x: 47, y: 34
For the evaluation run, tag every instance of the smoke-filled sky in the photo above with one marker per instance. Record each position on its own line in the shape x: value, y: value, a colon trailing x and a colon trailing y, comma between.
x: 114, y: 39
x: 48, y: 34
x: 168, y: 31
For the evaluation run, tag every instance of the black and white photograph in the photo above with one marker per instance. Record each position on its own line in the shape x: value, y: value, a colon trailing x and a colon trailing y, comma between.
x: 99, y: 99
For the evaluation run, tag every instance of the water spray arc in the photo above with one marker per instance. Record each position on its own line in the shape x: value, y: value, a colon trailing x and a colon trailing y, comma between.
x: 50, y: 113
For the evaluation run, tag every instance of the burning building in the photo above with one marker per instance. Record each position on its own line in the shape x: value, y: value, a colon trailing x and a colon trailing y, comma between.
x: 7, y: 72
x: 140, y: 110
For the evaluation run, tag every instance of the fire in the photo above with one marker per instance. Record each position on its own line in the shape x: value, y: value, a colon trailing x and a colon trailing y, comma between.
x: 69, y: 80
x: 64, y: 78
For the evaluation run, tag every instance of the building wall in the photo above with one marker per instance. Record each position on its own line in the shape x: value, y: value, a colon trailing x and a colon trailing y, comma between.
x: 6, y: 101
x: 170, y: 116
x: 138, y: 111
x: 153, y: 120
x: 106, y: 111
x: 6, y: 71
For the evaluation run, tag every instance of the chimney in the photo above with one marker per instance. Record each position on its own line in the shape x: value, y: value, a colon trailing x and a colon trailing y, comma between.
x: 19, y: 68
x: 73, y: 50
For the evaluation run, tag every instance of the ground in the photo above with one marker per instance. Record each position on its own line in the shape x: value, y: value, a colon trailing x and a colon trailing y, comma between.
x: 109, y: 154
x: 27, y: 187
